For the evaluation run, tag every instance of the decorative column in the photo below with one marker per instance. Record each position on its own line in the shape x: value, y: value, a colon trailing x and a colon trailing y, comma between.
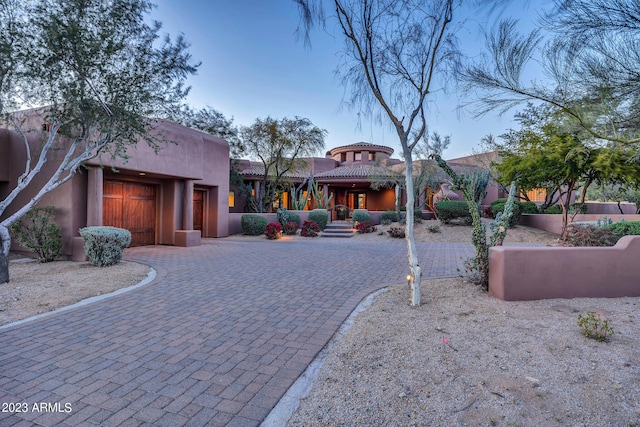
x: 95, y: 186
x: 187, y: 209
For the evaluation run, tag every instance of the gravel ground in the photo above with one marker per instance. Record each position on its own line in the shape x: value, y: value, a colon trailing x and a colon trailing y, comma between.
x: 465, y: 359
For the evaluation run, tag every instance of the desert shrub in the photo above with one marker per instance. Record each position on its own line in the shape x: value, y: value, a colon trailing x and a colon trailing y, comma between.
x: 580, y: 234
x: 320, y: 218
x: 361, y: 217
x: 581, y: 208
x: 619, y: 229
x: 293, y: 217
x: 529, y: 208
x: 388, y: 217
x: 396, y: 232
x: 273, y: 230
x: 310, y: 228
x: 253, y: 225
x: 498, y: 206
x: 433, y: 228
x: 37, y: 231
x: 365, y: 227
x: 417, y: 216
x: 104, y: 246
x: 449, y: 210
x: 290, y: 228
x: 553, y: 209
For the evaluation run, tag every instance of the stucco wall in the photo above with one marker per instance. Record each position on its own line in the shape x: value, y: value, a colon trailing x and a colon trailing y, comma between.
x: 531, y: 273
x: 194, y: 155
x: 553, y: 222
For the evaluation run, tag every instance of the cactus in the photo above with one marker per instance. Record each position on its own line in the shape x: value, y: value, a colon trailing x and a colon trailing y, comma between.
x: 474, y: 187
x: 318, y: 197
x: 298, y: 198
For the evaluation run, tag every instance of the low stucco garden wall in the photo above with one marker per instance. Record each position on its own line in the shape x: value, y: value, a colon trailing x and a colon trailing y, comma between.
x: 531, y: 273
x: 553, y: 222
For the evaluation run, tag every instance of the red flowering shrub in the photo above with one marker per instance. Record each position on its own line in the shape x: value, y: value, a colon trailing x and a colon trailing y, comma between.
x: 397, y: 232
x: 273, y: 230
x: 290, y: 228
x: 365, y: 227
x: 310, y: 229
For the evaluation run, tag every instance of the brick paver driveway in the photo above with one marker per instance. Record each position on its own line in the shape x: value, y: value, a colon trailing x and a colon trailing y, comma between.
x: 216, y: 339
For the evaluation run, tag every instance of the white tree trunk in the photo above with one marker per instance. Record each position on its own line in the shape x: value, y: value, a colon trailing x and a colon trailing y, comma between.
x: 414, y: 266
x: 5, y: 244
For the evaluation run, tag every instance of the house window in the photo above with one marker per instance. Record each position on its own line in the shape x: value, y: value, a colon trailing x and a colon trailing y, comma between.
x: 232, y: 199
x: 358, y: 156
x: 372, y: 156
x: 343, y: 157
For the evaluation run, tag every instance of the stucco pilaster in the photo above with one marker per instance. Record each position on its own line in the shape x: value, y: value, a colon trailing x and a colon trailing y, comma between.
x: 95, y: 185
x: 187, y: 211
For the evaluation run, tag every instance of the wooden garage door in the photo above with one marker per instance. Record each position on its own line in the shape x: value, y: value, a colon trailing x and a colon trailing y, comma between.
x: 132, y: 206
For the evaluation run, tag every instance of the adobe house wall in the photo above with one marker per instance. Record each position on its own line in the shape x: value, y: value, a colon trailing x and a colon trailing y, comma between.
x: 531, y: 273
x: 196, y: 156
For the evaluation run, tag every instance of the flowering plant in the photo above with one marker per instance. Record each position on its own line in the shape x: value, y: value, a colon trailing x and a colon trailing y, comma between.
x: 273, y: 231
x: 309, y: 229
x: 365, y: 227
x: 595, y: 326
x: 290, y: 228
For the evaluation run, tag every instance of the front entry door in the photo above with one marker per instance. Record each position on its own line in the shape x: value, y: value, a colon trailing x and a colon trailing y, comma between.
x: 356, y: 200
x: 198, y: 209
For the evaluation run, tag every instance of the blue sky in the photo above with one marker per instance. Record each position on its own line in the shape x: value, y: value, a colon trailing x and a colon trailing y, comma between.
x: 253, y: 65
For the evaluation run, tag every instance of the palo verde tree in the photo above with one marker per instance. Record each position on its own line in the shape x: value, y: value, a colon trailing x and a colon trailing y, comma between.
x: 553, y: 152
x: 396, y: 52
x: 279, y: 145
x: 96, y: 72
x: 591, y: 60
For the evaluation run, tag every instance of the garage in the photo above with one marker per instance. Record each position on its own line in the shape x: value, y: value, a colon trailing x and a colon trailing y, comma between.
x: 131, y: 205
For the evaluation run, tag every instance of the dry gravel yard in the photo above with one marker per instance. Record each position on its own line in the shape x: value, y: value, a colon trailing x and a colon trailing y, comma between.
x: 504, y: 364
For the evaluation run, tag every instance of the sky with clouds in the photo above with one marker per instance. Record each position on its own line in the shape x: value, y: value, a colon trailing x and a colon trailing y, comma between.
x: 254, y: 65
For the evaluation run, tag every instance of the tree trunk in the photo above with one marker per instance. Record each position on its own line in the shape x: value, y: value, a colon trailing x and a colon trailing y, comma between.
x: 5, y: 244
x: 414, y: 266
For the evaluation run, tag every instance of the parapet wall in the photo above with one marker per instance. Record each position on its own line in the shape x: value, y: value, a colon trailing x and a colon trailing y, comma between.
x: 531, y: 273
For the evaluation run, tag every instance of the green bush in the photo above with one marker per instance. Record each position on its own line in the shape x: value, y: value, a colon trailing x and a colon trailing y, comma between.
x: 388, y: 217
x: 38, y: 232
x: 361, y: 217
x: 498, y: 206
x: 104, y: 246
x: 320, y: 218
x: 529, y: 208
x: 449, y: 210
x: 619, y: 229
x: 253, y: 225
x: 553, y: 209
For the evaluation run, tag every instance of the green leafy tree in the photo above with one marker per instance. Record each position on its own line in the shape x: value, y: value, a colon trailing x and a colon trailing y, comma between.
x: 549, y: 151
x: 97, y: 73
x: 279, y: 145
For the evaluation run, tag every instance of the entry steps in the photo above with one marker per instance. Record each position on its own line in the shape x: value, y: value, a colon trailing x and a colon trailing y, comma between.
x: 339, y: 229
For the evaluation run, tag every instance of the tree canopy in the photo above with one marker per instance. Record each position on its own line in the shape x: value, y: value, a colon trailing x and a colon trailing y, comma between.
x: 279, y: 144
x: 590, y: 57
x: 97, y: 72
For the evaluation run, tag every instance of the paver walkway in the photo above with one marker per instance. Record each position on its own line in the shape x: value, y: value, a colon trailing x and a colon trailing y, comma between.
x: 216, y: 339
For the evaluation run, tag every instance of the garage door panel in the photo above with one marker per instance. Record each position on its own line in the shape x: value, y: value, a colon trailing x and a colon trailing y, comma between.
x: 131, y: 206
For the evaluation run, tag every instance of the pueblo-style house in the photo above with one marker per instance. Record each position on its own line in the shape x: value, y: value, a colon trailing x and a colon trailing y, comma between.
x: 347, y: 173
x: 174, y: 197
